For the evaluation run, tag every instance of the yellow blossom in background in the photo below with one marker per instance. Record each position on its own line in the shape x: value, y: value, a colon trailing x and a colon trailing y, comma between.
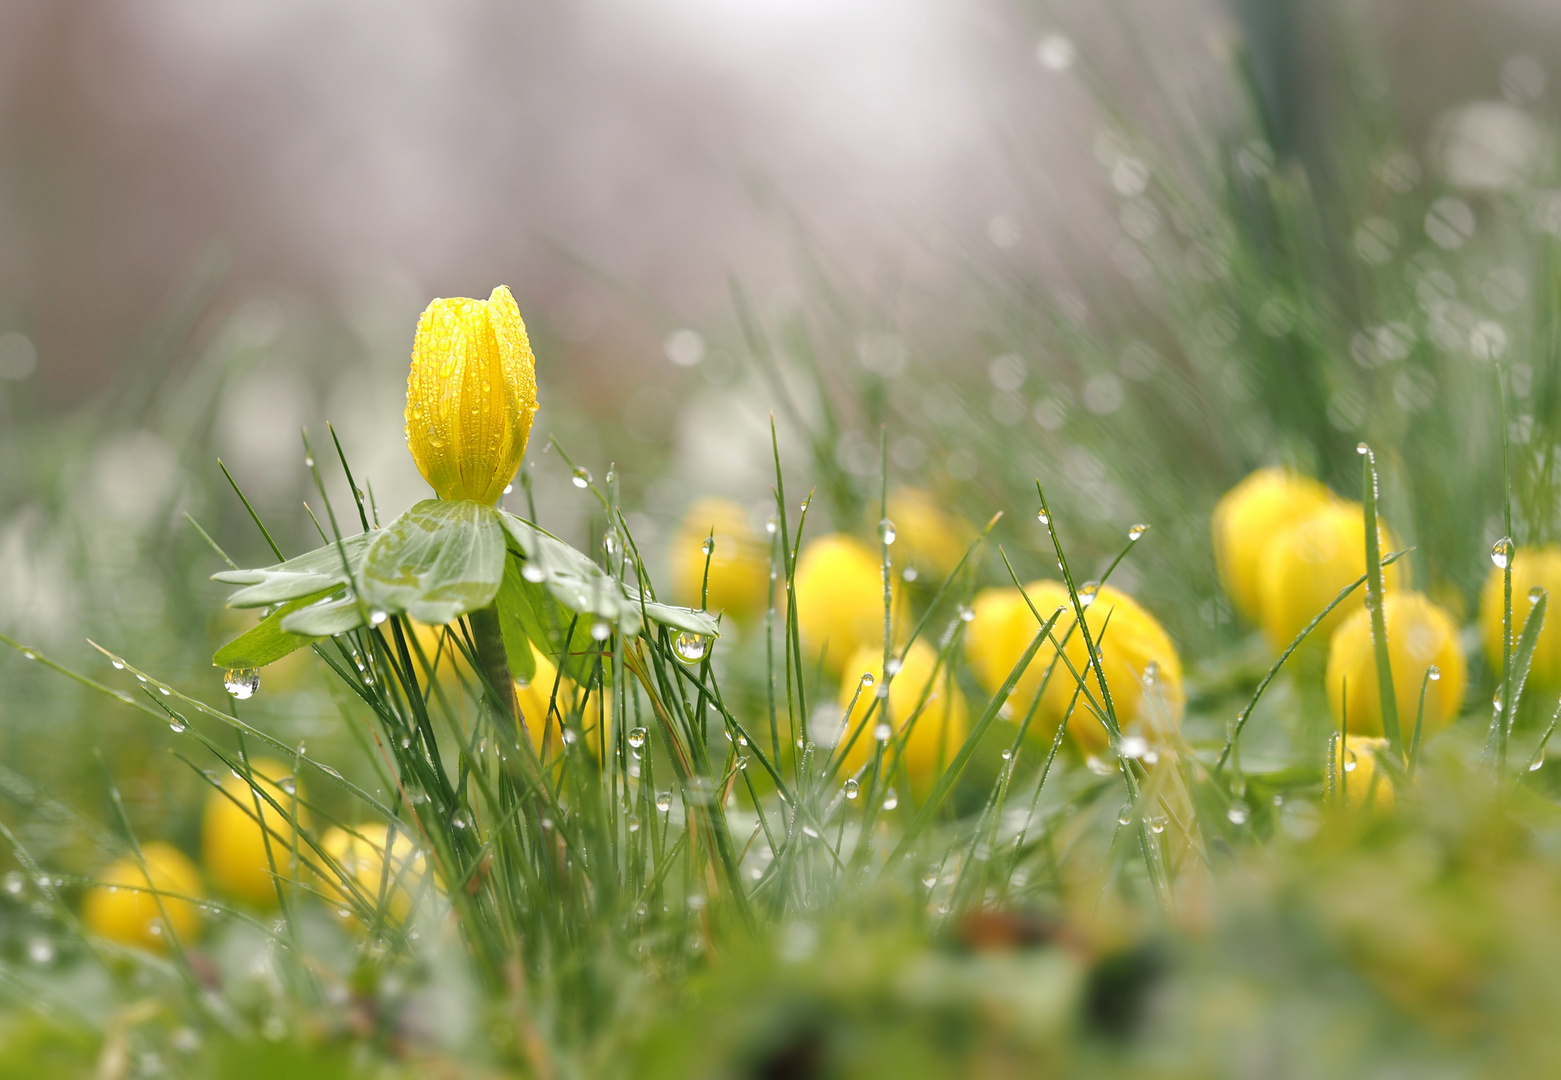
x: 545, y: 728
x: 1420, y: 636
x: 119, y: 910
x: 1359, y: 769
x: 233, y: 842
x: 1306, y: 565
x: 927, y: 536
x: 1131, y: 644
x: 839, y: 591
x: 1531, y: 568
x: 361, y: 857
x: 739, y: 561
x: 939, y: 729
x: 1247, y: 517
x: 471, y: 396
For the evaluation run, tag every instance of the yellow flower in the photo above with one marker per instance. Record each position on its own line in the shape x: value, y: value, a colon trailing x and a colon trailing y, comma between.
x: 927, y: 536
x: 739, y: 562
x: 1531, y: 568
x: 939, y: 730
x: 471, y: 396
x: 1130, y: 643
x: 1420, y: 636
x: 537, y: 695
x: 1359, y: 770
x: 361, y: 857
x: 120, y: 910
x: 839, y: 590
x: 233, y: 843
x: 1305, y: 566
x: 1247, y: 517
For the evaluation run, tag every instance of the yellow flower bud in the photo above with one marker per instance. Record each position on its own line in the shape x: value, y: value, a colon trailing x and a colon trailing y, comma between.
x: 739, y: 562
x: 471, y: 396
x: 839, y: 590
x: 119, y: 910
x: 1247, y: 517
x: 1305, y: 566
x: 362, y: 858
x: 939, y: 730
x: 1420, y: 636
x: 1132, y: 644
x: 1359, y: 770
x: 927, y: 537
x: 537, y: 695
x: 233, y: 842
x: 1531, y: 568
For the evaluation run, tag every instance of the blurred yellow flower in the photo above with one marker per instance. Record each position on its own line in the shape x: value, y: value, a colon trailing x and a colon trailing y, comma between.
x: 1307, y: 563
x: 1359, y: 769
x: 839, y: 591
x: 939, y: 730
x: 1420, y: 636
x: 471, y: 396
x: 1132, y: 644
x: 119, y: 910
x: 1531, y: 568
x: 739, y: 561
x: 361, y: 857
x: 538, y: 694
x: 927, y: 536
x: 233, y: 842
x: 1247, y: 517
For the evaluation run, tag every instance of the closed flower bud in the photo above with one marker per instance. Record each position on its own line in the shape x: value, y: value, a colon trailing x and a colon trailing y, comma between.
x: 1361, y: 783
x: 739, y: 561
x: 120, y: 909
x: 839, y: 591
x: 1247, y: 517
x: 1531, y: 568
x: 361, y: 858
x: 1143, y: 670
x: 936, y: 733
x: 1305, y: 566
x: 471, y: 396
x: 234, y: 846
x: 1420, y: 636
x: 927, y: 537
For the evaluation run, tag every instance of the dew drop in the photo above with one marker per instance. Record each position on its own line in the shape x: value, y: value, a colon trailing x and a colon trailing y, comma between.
x: 1133, y: 746
x: 119, y: 665
x: 1237, y: 815
x: 637, y: 737
x: 1137, y: 531
x: 1125, y: 815
x: 40, y: 951
x: 1433, y: 673
x: 867, y: 678
x: 891, y: 799
x: 1536, y: 594
x: 532, y: 573
x: 377, y: 618
x: 177, y: 725
x: 691, y: 647
x: 1100, y: 767
x: 308, y: 461
x: 852, y: 789
x: 771, y: 525
x: 1501, y: 553
x: 886, y: 531
x: 910, y: 573
x: 581, y: 478
x: 1008, y: 754
x: 882, y: 733
x: 1538, y: 763
x: 966, y: 613
x: 601, y: 630
x: 664, y: 801
x: 241, y: 682
x: 892, y: 668
x: 1087, y: 593
x: 708, y: 546
x: 1362, y: 448
x: 1043, y: 517
x: 1157, y: 824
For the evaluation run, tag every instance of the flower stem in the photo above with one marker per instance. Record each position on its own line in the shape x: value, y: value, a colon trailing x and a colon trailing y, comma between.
x: 489, y: 640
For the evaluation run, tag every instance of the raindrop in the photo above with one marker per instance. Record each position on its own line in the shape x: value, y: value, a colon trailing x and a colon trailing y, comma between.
x: 966, y: 614
x: 377, y: 618
x: 1536, y: 594
x: 1501, y: 553
x: 601, y: 630
x: 1538, y: 763
x: 164, y: 691
x: 909, y: 573
x: 691, y: 647
x: 308, y: 461
x: 1157, y: 823
x: 1133, y: 746
x: 1433, y: 673
x: 1099, y: 767
x: 637, y: 737
x: 886, y: 531
x: 40, y: 951
x: 1008, y: 754
x: 892, y: 668
x: 1087, y: 593
x: 708, y: 546
x: 177, y: 725
x: 1362, y: 448
x: 288, y: 784
x: 852, y: 789
x: 1496, y: 701
x: 808, y: 830
x: 507, y: 489
x: 532, y: 572
x: 1137, y: 531
x: 1237, y: 815
x: 633, y: 822
x: 241, y: 682
x: 931, y: 879
x: 1043, y: 517
x: 882, y: 733
x: 867, y: 678
x: 664, y: 801
x: 891, y: 799
x: 770, y: 525
x: 1125, y: 815
x: 119, y: 665
x: 581, y: 478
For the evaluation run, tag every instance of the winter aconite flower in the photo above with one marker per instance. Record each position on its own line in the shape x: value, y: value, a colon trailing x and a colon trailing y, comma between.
x: 1361, y: 783
x: 471, y: 396
x: 1305, y: 566
x: 928, y: 539
x: 547, y: 702
x: 739, y: 562
x: 1421, y: 636
x: 121, y: 909
x: 1531, y: 568
x: 242, y: 858
x: 839, y: 591
x: 1143, y: 670
x: 921, y: 697
x: 361, y: 856
x: 1247, y: 517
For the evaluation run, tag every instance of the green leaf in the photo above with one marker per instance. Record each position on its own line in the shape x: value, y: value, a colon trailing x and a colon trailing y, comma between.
x: 517, y: 641
x: 574, y: 580
x: 682, y: 618
x: 436, y: 562
x: 327, y: 618
x: 529, y: 615
x: 298, y: 578
x: 266, y: 643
